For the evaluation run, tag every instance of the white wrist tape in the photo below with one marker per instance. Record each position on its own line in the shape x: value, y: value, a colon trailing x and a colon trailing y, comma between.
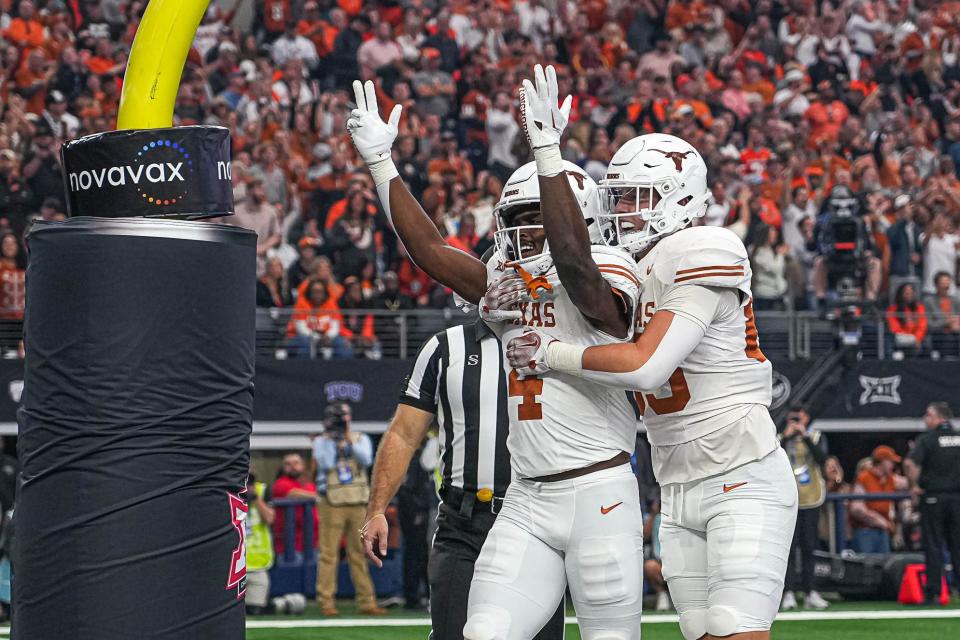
x: 383, y: 171
x: 549, y: 160
x: 565, y: 357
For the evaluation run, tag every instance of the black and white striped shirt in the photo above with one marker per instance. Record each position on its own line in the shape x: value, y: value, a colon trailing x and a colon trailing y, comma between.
x: 459, y: 376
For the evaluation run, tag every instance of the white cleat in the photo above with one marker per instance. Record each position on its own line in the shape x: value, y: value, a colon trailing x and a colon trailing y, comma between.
x: 663, y: 602
x: 789, y: 601
x: 815, y: 601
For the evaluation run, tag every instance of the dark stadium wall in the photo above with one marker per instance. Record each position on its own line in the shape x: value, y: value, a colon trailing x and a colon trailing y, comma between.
x: 876, y: 397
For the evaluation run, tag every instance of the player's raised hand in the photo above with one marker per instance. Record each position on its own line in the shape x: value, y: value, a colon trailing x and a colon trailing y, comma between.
x: 543, y: 117
x: 527, y: 353
x: 371, y: 135
x: 503, y: 297
x: 374, y: 538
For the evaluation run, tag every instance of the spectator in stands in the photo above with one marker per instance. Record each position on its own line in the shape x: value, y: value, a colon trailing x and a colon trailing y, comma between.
x: 378, y: 52
x: 387, y: 328
x: 315, y: 325
x: 806, y: 448
x: 343, y: 458
x: 12, y: 294
x: 940, y: 249
x: 25, y: 31
x: 293, y: 46
x: 273, y: 291
x: 293, y: 484
x: 874, y: 521
x: 769, y: 262
x: 352, y: 237
x: 907, y: 320
x: 259, y: 545
x: 502, y: 131
x: 258, y: 215
x: 357, y: 328
x: 833, y: 474
x: 906, y: 257
x: 63, y: 124
x: 845, y: 113
x: 301, y: 269
x: 322, y: 272
x: 15, y: 196
x: 272, y: 176
x: 432, y: 85
x: 943, y: 310
x: 41, y: 165
x: 466, y: 238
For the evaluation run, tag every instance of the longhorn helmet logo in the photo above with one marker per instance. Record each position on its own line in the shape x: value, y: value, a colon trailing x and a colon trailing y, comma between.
x: 676, y: 156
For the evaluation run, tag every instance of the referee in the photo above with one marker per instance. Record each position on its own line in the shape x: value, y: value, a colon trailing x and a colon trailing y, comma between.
x: 458, y: 378
x: 933, y: 468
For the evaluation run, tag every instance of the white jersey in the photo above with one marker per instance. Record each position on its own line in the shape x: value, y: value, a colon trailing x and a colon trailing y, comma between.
x: 711, y: 415
x: 560, y: 422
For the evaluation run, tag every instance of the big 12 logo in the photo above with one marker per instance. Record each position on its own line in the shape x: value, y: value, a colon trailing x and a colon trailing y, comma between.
x: 238, y: 559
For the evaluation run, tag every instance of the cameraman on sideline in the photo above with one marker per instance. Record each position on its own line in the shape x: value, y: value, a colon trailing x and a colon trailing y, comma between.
x: 806, y: 448
x: 343, y: 461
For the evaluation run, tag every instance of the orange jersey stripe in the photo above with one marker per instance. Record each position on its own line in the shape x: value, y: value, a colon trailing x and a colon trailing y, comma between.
x: 709, y: 275
x: 617, y: 270
x: 714, y: 268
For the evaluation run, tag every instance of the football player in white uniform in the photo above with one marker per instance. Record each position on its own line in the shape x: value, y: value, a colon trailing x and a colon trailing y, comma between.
x: 729, y: 500
x: 572, y: 513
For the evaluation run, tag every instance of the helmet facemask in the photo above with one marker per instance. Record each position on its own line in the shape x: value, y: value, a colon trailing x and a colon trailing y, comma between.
x: 635, y: 212
x: 515, y: 246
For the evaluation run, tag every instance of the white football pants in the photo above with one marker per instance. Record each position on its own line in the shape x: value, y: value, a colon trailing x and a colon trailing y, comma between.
x: 724, y: 542
x: 587, y: 532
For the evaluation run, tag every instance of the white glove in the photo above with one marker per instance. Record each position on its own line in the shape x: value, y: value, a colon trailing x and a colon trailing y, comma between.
x: 527, y: 353
x: 503, y: 296
x: 373, y: 137
x: 544, y: 119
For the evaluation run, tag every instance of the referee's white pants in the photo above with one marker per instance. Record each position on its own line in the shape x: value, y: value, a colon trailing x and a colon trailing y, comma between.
x: 587, y: 532
x: 724, y: 543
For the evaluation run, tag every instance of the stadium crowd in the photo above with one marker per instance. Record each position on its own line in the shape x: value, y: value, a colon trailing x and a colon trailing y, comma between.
x: 787, y: 100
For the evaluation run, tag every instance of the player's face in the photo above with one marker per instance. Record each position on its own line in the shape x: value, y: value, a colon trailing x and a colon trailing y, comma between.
x: 531, y: 238
x: 632, y: 199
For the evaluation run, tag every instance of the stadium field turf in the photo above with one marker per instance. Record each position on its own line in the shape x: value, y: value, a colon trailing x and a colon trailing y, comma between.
x: 873, y: 621
x: 792, y: 630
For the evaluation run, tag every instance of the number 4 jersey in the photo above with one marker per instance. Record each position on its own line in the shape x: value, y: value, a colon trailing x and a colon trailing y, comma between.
x: 560, y: 422
x: 711, y: 416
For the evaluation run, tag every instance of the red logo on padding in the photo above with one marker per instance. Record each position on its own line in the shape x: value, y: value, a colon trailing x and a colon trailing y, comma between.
x: 238, y: 560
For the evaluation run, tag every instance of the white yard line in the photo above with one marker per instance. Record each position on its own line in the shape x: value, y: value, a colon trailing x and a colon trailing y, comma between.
x: 300, y: 623
x: 647, y: 619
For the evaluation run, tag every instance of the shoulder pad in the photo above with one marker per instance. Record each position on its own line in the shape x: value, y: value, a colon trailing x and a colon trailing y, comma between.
x: 619, y: 269
x: 707, y: 256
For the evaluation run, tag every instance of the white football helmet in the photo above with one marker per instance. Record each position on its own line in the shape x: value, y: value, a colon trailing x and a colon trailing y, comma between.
x: 659, y: 178
x: 522, y: 193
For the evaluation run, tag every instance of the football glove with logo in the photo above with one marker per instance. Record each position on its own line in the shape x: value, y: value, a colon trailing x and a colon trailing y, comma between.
x: 503, y: 297
x: 544, y: 119
x: 527, y: 353
x: 373, y: 137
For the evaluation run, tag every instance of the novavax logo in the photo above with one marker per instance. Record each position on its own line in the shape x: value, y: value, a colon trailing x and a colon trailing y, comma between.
x: 158, y: 172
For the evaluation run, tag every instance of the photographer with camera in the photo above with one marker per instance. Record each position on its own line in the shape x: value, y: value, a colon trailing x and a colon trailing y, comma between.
x: 806, y: 448
x: 342, y: 459
x: 846, y: 259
